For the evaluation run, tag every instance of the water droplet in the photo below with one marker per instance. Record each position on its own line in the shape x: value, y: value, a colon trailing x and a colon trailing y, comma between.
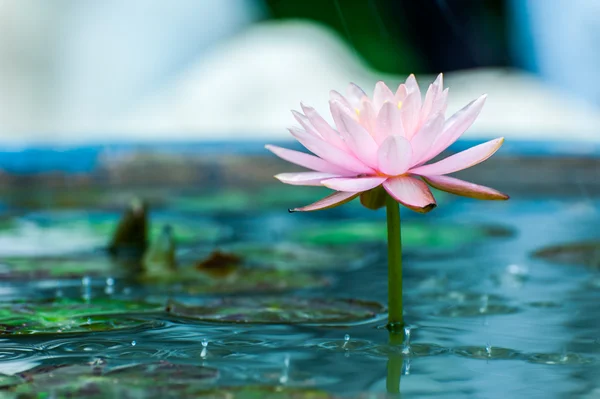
x: 346, y: 341
x: 133, y: 343
x: 110, y: 281
x: 204, y: 352
x: 406, y: 366
x: 487, y: 353
x: 563, y: 358
x: 406, y: 345
x: 286, y: 370
x: 85, y: 280
x: 407, y: 331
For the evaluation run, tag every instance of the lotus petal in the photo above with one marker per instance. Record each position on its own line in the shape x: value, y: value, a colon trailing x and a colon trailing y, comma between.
x: 410, y: 192
x: 353, y: 184
x: 324, y: 129
x: 329, y: 152
x: 463, y: 160
x: 455, y: 126
x: 355, y: 95
x: 331, y: 201
x: 394, y: 155
x: 422, y: 141
x: 381, y: 95
x: 359, y: 141
x: 389, y: 122
x: 307, y: 160
x: 304, y: 178
x: 464, y: 188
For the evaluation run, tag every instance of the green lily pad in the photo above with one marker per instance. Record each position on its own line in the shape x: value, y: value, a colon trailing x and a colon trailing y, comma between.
x: 292, y: 256
x: 155, y: 380
x: 7, y: 381
x: 264, y: 392
x: 414, y: 234
x: 580, y: 254
x: 237, y: 280
x: 65, y: 268
x: 280, y: 310
x: 66, y: 232
x: 73, y: 316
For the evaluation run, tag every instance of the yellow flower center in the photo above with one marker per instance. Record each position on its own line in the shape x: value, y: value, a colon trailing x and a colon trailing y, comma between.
x: 399, y: 104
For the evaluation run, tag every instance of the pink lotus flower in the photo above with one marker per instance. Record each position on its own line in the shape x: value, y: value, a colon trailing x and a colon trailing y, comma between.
x: 385, y: 142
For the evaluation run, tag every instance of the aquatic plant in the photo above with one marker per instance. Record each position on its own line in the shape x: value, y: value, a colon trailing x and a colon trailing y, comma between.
x: 378, y: 150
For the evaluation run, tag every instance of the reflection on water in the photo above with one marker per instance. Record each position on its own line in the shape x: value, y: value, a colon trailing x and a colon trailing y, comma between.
x: 486, y: 318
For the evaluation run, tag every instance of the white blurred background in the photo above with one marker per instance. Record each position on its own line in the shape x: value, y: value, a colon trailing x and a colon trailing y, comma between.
x: 89, y: 71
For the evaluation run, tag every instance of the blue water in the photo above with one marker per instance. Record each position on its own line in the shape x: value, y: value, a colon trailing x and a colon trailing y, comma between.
x: 486, y: 320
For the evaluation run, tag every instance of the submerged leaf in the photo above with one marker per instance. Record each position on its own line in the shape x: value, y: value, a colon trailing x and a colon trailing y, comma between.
x: 219, y: 263
x: 154, y: 380
x: 280, y: 310
x: 73, y: 316
x: 579, y: 253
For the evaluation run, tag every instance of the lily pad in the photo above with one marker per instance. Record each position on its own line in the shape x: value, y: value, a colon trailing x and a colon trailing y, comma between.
x: 414, y: 234
x: 292, y: 256
x: 265, y: 392
x: 73, y: 316
x: 236, y: 280
x: 58, y: 233
x: 64, y: 268
x: 280, y: 310
x: 580, y: 254
x: 155, y: 380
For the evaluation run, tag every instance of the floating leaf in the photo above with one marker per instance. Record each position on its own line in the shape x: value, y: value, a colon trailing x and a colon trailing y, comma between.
x: 580, y: 254
x: 280, y: 310
x: 219, y: 263
x: 237, y: 280
x: 155, y: 380
x: 73, y: 316
x: 64, y: 268
x: 293, y: 256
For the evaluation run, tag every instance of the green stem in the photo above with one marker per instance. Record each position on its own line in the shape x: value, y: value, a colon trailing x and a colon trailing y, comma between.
x: 395, y: 317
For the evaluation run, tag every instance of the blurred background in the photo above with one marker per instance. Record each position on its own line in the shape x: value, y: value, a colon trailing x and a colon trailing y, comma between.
x: 90, y: 71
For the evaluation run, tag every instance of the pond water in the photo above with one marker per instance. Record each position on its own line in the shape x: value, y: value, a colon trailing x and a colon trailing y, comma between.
x: 293, y: 305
